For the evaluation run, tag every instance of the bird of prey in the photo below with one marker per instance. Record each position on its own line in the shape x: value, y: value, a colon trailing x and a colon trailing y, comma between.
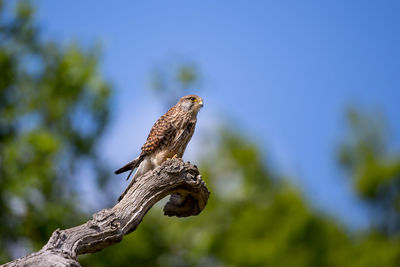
x: 168, y: 138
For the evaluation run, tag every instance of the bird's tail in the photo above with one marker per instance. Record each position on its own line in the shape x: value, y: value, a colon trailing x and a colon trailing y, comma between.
x: 130, y: 166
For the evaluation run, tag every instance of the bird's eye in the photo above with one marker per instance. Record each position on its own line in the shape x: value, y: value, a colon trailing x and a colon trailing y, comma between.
x: 192, y: 99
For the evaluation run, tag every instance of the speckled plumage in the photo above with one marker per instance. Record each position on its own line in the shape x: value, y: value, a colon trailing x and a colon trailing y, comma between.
x: 168, y: 137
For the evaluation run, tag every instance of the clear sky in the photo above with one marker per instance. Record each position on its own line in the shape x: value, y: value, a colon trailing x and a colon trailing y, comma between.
x: 283, y: 70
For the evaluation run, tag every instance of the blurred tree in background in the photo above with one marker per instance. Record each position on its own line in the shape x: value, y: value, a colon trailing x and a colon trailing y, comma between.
x: 53, y: 109
x: 374, y: 167
x: 54, y: 106
x: 253, y: 218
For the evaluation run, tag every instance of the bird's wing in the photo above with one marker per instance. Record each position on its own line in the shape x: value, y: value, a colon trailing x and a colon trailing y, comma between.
x: 160, y: 134
x: 184, y: 135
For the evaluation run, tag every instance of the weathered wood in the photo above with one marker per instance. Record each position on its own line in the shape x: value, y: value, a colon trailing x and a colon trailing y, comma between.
x: 181, y: 180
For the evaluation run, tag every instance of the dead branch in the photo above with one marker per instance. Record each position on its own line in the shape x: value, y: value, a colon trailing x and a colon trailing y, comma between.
x: 181, y: 180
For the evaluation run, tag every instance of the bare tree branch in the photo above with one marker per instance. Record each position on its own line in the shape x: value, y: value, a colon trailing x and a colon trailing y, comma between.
x: 189, y: 197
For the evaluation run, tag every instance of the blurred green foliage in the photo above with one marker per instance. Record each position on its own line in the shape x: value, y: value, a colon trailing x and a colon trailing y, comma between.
x: 374, y: 168
x: 54, y: 107
x: 253, y: 218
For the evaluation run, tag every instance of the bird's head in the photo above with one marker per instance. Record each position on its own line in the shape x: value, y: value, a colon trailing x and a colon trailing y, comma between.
x: 191, y: 103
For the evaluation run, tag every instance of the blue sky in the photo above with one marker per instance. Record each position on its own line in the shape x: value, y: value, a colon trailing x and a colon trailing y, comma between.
x: 283, y: 71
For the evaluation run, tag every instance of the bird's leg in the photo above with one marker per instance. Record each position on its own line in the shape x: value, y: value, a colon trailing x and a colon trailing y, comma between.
x: 173, y: 157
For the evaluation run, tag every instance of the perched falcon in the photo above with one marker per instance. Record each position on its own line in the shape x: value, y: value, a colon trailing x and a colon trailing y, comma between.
x: 168, y: 137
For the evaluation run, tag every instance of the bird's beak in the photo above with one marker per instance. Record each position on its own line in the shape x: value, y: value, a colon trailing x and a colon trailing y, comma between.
x: 201, y: 103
